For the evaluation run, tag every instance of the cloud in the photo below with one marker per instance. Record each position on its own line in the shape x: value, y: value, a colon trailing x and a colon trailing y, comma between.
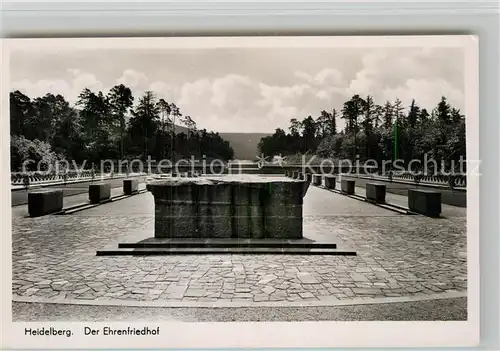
x: 412, y: 73
x: 70, y: 88
x: 163, y: 90
x: 245, y: 103
x: 426, y: 92
x: 132, y: 78
x: 326, y: 77
x: 235, y: 93
x: 329, y: 77
x: 243, y: 96
x: 86, y: 80
x: 197, y: 91
x: 240, y: 103
x: 227, y: 103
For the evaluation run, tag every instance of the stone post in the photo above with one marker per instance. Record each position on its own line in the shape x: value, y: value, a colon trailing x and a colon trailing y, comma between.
x: 347, y: 186
x: 317, y: 179
x: 330, y: 182
x: 426, y: 202
x: 375, y: 192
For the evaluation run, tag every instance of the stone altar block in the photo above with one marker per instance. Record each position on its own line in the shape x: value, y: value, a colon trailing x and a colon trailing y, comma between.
x: 44, y: 202
x: 347, y: 186
x: 130, y: 186
x: 317, y: 179
x: 330, y: 182
x: 229, y: 206
x: 99, y: 192
x: 426, y: 202
x: 375, y: 192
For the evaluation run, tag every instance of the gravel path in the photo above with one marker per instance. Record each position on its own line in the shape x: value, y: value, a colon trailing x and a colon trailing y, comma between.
x: 445, y: 309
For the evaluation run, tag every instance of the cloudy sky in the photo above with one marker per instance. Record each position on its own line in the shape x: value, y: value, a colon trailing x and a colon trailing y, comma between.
x: 249, y: 89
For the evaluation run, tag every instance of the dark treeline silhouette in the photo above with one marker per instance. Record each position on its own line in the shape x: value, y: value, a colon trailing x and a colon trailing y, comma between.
x: 371, y: 131
x: 107, y: 126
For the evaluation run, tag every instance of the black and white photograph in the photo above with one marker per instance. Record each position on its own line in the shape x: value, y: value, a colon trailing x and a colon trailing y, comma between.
x: 252, y: 179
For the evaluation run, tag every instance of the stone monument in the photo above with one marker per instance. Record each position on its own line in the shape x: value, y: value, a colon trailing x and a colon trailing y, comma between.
x: 228, y: 206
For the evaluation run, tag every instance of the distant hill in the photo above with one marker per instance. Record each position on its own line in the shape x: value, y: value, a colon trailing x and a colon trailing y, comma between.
x: 243, y: 144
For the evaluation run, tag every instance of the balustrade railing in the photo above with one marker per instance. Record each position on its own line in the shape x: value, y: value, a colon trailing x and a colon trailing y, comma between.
x: 27, y: 178
x: 451, y: 180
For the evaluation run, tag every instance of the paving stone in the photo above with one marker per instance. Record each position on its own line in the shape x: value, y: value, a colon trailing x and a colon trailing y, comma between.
x: 323, y: 293
x: 150, y: 278
x: 347, y: 291
x: 194, y: 293
x: 243, y: 290
x: 306, y: 295
x: 43, y: 282
x: 306, y: 278
x: 359, y: 277
x: 260, y: 297
x: 81, y: 291
x: 268, y: 290
x: 363, y: 270
x: 282, y: 286
x: 243, y: 295
x: 155, y: 292
x: 277, y: 298
x: 171, y: 278
x: 141, y: 291
x: 96, y: 285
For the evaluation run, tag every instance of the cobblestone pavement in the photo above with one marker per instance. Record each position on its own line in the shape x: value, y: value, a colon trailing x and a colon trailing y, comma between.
x: 54, y: 258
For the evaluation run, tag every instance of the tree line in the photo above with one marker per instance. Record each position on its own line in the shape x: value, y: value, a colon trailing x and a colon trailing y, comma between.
x: 106, y: 126
x: 377, y: 132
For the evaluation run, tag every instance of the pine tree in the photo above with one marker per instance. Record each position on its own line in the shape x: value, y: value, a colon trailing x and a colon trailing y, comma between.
x: 388, y: 114
x: 333, y: 123
x: 144, y: 123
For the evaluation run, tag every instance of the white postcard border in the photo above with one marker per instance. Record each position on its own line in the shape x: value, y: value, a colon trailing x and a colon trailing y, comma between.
x: 262, y: 334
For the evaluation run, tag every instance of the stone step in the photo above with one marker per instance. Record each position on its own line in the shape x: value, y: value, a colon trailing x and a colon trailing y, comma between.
x: 121, y: 197
x: 228, y: 243
x: 86, y: 206
x: 228, y: 250
x: 395, y: 208
x: 387, y: 206
x: 77, y: 208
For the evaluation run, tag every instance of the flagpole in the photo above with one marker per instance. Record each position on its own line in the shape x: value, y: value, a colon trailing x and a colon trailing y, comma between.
x: 396, y: 140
